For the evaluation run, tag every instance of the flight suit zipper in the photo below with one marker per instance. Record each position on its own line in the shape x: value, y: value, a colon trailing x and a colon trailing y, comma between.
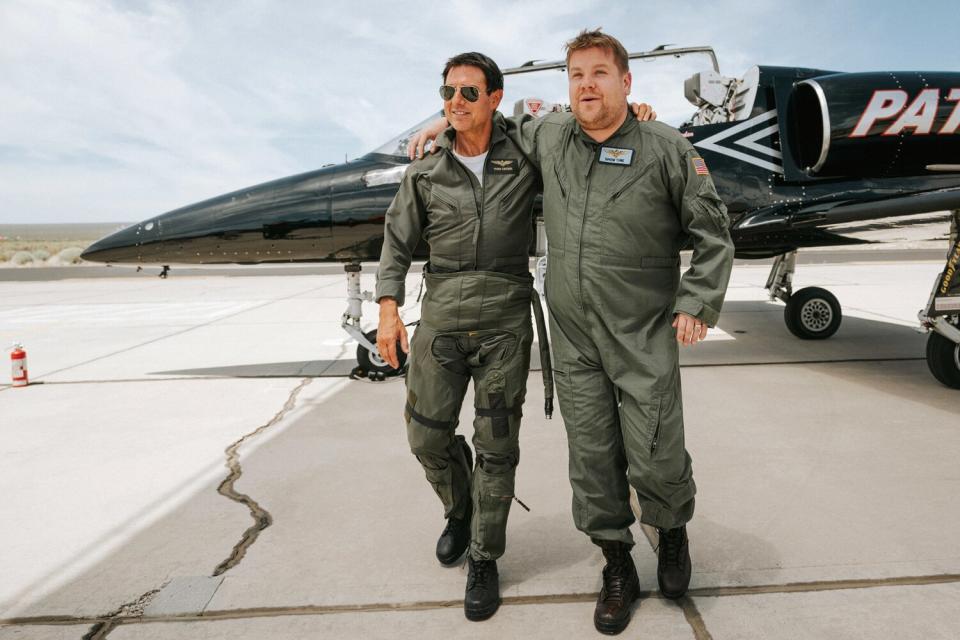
x: 583, y: 224
x: 471, y: 178
x: 476, y: 237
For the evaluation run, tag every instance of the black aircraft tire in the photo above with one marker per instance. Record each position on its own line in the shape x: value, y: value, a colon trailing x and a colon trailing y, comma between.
x: 943, y: 359
x: 813, y: 314
x: 371, y: 362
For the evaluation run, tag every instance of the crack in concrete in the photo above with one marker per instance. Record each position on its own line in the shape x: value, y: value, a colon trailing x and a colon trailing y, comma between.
x: 133, y: 609
x: 261, y: 517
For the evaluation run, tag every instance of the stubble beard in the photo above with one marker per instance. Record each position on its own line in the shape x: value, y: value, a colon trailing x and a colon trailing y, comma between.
x: 605, y: 117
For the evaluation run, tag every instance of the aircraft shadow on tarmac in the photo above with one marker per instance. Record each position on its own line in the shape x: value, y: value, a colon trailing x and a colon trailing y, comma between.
x: 302, y: 369
x: 752, y: 333
x: 884, y: 355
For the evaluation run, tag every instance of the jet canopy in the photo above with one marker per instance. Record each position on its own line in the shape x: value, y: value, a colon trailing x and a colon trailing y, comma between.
x: 397, y: 146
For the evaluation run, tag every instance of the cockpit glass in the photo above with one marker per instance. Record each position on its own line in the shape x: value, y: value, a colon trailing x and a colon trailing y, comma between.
x: 397, y: 146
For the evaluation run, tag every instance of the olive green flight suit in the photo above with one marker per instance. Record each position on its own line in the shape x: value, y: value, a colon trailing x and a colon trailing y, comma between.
x: 475, y: 322
x: 617, y: 215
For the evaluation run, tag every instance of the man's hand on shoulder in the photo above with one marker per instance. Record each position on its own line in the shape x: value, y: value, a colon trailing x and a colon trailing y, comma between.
x: 643, y: 111
x: 690, y: 330
x: 429, y: 133
x: 389, y: 331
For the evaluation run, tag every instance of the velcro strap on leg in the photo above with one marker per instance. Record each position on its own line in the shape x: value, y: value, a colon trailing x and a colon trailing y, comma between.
x: 427, y: 422
x: 499, y: 413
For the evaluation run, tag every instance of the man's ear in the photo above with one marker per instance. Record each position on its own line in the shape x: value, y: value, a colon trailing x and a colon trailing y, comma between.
x: 627, y: 83
x: 495, y: 98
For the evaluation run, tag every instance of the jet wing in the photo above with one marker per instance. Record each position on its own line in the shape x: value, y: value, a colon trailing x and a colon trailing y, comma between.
x: 825, y: 215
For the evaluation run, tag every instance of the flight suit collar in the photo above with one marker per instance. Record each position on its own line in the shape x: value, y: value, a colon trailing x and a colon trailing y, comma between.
x: 629, y: 124
x: 498, y: 134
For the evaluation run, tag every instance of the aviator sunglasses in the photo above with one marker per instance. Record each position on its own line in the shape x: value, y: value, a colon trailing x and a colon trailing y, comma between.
x: 469, y: 92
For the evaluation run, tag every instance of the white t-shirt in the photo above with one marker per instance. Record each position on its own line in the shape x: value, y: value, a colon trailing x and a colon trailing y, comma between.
x: 474, y: 163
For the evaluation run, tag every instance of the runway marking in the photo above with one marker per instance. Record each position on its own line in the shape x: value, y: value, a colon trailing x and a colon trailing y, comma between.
x: 717, y: 334
x: 177, y: 333
x: 123, y: 314
x: 425, y: 605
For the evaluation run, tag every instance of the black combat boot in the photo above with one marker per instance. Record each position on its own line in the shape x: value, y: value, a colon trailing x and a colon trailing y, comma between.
x: 482, y: 598
x: 456, y: 535
x: 455, y: 538
x: 621, y: 587
x: 673, y: 562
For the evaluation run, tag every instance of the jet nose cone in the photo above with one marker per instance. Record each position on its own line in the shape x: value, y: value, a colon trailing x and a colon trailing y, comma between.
x: 122, y: 246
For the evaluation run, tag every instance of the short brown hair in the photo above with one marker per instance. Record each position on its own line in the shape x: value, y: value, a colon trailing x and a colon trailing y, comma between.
x: 490, y: 69
x: 596, y: 38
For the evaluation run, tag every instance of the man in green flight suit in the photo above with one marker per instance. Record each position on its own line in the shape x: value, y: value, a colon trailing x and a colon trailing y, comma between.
x: 471, y: 201
x: 621, y: 198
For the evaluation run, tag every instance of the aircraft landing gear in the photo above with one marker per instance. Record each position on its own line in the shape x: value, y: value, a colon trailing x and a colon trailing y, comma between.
x: 369, y: 363
x: 943, y: 359
x: 941, y: 316
x: 811, y: 313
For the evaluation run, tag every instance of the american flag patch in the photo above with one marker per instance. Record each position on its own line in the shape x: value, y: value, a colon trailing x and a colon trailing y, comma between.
x: 700, y: 167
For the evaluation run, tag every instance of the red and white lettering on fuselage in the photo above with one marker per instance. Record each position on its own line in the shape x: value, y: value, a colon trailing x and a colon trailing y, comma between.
x: 954, y: 120
x: 920, y: 115
x: 884, y: 105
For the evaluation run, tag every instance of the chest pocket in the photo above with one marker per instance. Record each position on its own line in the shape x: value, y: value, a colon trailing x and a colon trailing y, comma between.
x: 638, y: 220
x: 516, y: 198
x: 444, y: 219
x: 556, y: 196
x: 632, y: 180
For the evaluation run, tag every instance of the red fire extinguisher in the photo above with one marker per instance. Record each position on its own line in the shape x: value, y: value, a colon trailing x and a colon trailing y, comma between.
x: 18, y: 358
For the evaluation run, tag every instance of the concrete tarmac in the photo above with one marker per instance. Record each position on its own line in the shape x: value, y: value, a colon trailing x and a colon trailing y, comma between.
x: 192, y: 461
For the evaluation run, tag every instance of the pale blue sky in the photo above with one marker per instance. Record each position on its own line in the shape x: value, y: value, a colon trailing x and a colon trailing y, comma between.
x: 117, y: 111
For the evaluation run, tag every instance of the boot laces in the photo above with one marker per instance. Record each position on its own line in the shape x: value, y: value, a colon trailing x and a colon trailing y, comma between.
x: 671, y: 545
x: 479, y: 573
x: 615, y: 578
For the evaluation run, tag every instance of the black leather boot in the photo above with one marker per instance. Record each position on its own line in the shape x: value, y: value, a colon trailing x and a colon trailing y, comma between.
x: 621, y: 587
x: 456, y: 535
x: 482, y: 598
x: 673, y: 562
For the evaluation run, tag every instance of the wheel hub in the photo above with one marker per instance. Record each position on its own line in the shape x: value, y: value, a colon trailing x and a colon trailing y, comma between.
x: 816, y: 315
x: 376, y: 359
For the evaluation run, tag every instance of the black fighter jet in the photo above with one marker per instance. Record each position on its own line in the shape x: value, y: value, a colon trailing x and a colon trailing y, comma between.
x: 801, y: 157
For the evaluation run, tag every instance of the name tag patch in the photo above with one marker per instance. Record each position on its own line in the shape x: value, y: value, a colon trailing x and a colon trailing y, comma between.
x: 613, y: 155
x: 506, y: 166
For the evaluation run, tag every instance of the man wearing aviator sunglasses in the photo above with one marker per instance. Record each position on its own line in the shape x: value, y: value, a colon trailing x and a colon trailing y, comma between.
x: 620, y: 200
x: 472, y: 201
x: 469, y: 92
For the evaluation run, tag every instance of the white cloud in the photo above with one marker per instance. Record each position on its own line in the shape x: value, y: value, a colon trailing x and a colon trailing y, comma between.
x: 119, y: 113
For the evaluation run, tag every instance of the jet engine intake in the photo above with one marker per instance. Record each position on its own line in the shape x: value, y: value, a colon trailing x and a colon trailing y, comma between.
x: 875, y: 124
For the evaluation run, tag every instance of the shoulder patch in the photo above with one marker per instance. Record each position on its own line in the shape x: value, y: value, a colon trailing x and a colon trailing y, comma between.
x: 699, y: 166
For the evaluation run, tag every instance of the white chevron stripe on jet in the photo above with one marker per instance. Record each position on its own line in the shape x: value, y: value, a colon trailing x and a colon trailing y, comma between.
x: 750, y: 142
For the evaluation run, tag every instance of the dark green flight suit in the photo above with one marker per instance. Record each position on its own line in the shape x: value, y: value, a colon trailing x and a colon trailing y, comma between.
x: 475, y: 322
x: 617, y: 215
